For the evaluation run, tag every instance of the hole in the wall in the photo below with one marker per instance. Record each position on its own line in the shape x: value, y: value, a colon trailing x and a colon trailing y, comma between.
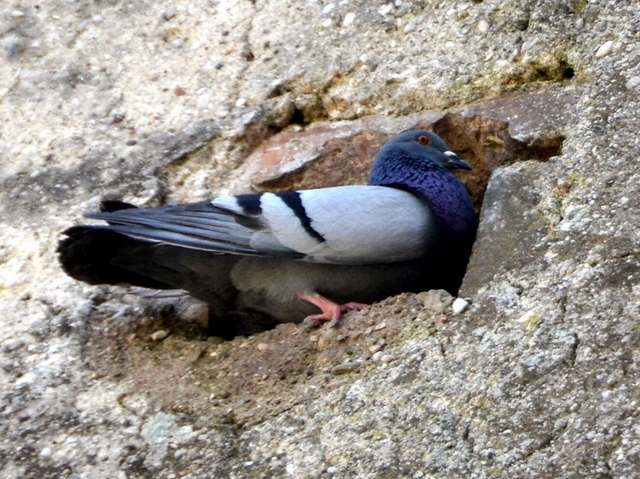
x: 247, y: 54
x: 297, y: 118
x: 277, y: 91
x: 485, y: 142
x: 522, y: 24
x: 561, y: 71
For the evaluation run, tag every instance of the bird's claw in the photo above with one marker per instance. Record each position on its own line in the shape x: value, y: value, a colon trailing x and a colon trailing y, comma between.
x: 331, y: 311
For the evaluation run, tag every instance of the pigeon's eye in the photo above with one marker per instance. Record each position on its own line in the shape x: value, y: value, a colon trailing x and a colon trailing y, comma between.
x: 424, y: 140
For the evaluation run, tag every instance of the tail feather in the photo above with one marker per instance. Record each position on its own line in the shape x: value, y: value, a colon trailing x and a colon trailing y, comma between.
x: 100, y: 255
x: 87, y: 254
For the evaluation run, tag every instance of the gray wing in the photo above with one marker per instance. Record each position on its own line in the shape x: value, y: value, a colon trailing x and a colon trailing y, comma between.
x: 342, y: 225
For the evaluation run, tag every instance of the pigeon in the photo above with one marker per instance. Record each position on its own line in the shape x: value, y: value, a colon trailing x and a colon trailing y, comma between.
x: 262, y: 259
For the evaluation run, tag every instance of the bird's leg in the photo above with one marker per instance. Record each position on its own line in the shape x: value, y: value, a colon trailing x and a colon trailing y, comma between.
x: 330, y: 311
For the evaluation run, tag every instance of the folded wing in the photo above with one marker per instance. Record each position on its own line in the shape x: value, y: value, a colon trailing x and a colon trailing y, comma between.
x: 341, y: 225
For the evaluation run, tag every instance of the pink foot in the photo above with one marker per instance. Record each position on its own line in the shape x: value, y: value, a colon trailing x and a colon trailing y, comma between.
x: 330, y: 311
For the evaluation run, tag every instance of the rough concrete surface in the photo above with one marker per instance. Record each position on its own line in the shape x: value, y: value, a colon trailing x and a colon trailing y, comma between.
x: 154, y: 102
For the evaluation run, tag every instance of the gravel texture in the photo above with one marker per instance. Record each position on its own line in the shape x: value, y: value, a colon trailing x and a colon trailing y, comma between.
x: 154, y: 102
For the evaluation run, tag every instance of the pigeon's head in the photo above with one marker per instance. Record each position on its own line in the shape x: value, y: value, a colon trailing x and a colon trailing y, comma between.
x: 425, y: 145
x: 416, y: 160
x: 419, y: 161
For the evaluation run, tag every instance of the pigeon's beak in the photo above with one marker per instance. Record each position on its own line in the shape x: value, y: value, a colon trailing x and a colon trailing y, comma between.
x: 453, y: 161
